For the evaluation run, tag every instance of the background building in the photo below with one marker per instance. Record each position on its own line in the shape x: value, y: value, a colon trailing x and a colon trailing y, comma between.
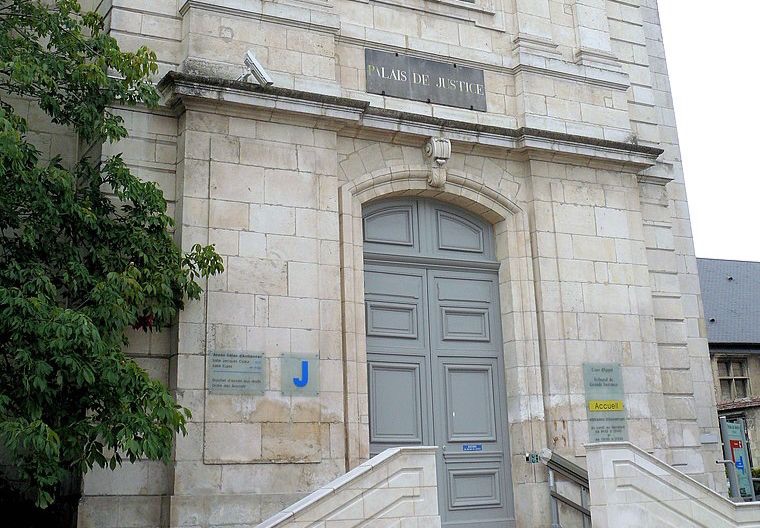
x: 441, y: 213
x: 731, y: 297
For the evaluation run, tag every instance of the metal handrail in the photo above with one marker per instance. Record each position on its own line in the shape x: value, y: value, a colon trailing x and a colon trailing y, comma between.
x: 573, y: 505
x: 573, y: 472
x: 564, y: 467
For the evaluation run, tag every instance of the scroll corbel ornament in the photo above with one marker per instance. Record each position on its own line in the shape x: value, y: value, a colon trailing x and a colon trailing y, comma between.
x: 437, y: 150
x: 437, y: 177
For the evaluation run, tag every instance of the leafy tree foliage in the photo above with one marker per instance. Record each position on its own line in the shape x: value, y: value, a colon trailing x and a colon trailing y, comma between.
x: 86, y: 252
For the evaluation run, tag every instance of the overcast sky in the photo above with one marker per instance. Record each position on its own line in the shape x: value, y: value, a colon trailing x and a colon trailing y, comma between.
x: 712, y: 53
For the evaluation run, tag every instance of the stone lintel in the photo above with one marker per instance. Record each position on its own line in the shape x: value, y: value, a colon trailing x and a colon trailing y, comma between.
x: 350, y: 115
x: 737, y: 405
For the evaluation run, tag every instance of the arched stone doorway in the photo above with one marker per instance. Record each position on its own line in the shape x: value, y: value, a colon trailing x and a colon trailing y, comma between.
x: 435, y: 362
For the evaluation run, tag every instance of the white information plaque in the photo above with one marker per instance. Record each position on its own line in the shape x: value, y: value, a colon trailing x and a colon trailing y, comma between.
x: 236, y: 373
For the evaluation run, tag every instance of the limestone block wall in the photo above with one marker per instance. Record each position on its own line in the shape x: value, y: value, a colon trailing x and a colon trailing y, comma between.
x: 152, y: 23
x: 636, y: 43
x: 295, y: 41
x: 133, y: 494
x: 594, y: 299
x: 630, y: 487
x: 265, y: 194
x: 49, y: 138
x: 601, y: 51
x: 682, y: 345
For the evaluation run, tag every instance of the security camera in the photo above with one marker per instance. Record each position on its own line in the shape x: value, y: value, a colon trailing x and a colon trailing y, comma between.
x: 256, y: 69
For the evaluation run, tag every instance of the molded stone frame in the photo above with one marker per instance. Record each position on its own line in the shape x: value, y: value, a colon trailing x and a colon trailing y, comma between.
x: 525, y: 406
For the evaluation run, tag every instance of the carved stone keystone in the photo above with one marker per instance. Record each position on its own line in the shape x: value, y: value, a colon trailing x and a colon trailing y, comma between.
x: 438, y: 151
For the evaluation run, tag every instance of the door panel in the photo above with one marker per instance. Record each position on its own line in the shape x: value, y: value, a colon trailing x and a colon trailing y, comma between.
x: 458, y: 234
x: 471, y: 424
x: 426, y: 228
x: 396, y: 310
x: 453, y: 233
x: 470, y: 428
x: 453, y: 288
x: 474, y: 487
x: 398, y: 393
x: 465, y: 324
x: 398, y: 357
x: 468, y: 319
x: 394, y: 283
x: 434, y: 352
x: 392, y: 320
x: 470, y: 406
x: 393, y: 225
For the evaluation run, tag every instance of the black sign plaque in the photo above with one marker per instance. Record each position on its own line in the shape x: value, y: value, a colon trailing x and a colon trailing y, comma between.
x: 398, y: 75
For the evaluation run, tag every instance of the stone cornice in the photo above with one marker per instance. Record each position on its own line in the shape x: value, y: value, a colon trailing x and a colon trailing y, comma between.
x: 654, y: 179
x: 662, y: 174
x: 351, y: 116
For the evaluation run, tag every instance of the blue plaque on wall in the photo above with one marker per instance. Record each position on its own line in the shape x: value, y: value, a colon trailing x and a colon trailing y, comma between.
x: 300, y: 375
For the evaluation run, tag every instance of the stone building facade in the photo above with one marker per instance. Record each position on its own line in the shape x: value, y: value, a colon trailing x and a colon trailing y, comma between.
x: 562, y: 192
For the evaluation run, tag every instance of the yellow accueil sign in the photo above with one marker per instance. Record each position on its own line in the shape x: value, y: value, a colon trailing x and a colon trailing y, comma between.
x: 605, y: 405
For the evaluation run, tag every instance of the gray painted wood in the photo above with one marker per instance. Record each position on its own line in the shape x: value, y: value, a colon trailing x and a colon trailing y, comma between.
x: 426, y: 228
x: 434, y: 352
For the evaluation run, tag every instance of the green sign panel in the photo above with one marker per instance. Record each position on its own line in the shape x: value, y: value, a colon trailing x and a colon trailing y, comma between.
x: 605, y: 406
x: 737, y: 443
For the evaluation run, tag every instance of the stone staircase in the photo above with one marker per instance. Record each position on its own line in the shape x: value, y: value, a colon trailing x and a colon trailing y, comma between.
x: 628, y: 488
x: 631, y: 488
x: 397, y: 488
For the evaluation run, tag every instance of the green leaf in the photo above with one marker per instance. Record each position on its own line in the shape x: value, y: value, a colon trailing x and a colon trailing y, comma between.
x: 86, y: 256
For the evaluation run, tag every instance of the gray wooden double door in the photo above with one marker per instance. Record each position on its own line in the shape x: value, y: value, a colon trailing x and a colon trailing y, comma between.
x: 434, y: 352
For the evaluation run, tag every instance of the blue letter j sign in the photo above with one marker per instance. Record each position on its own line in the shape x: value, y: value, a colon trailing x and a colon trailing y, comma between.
x: 300, y: 375
x: 304, y: 379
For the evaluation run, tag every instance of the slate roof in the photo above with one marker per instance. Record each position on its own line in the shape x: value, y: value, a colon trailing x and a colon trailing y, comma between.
x: 731, y: 297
